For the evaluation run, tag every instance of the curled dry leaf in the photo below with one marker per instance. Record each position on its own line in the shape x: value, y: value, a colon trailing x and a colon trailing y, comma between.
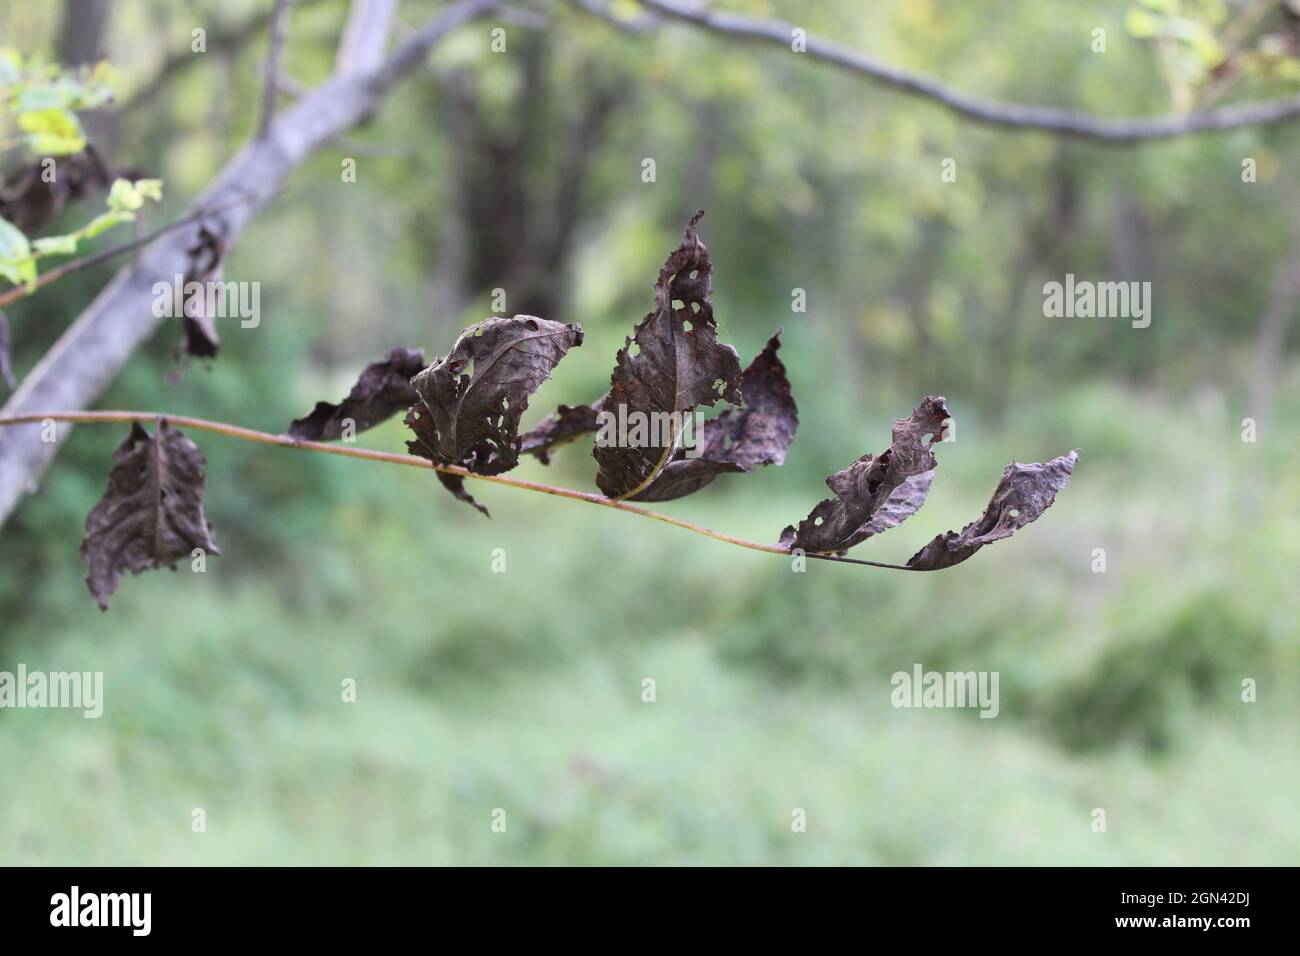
x: 382, y: 390
x: 672, y: 364
x: 876, y: 492
x: 198, y: 325
x: 469, y: 403
x: 758, y: 433
x: 903, y: 502
x: 739, y: 440
x: 6, y: 370
x: 152, y: 513
x: 562, y: 426
x: 30, y: 197
x: 1024, y: 493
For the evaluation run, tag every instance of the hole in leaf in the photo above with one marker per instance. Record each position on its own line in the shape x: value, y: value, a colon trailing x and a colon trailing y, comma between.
x: 530, y: 325
x: 678, y: 304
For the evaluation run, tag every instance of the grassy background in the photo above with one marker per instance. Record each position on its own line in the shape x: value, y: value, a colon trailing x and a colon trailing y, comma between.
x: 522, y: 690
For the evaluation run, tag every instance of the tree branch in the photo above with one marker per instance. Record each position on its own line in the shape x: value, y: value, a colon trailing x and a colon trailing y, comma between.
x: 991, y: 112
x: 284, y: 441
x: 94, y: 348
x: 364, y: 37
x: 271, y: 87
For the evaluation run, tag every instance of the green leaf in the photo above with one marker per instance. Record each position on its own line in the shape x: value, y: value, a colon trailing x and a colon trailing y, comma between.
x: 1141, y: 24
x: 20, y: 271
x: 127, y: 196
x: 17, y: 264
x: 89, y: 90
x: 104, y: 222
x: 13, y: 243
x: 149, y: 189
x: 36, y: 98
x: 1200, y: 38
x: 55, y: 245
x: 54, y: 132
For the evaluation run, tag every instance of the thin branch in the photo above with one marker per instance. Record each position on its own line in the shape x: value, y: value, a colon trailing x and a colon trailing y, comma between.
x: 285, y: 441
x: 85, y: 262
x: 413, y: 52
x: 271, y: 88
x: 601, y: 9
x: 365, y: 35
x: 219, y: 39
x: 992, y: 112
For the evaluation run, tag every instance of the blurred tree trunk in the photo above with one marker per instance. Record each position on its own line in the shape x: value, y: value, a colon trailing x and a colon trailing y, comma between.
x: 518, y: 186
x: 711, y: 133
x: 83, y: 41
x: 1132, y: 259
x: 1044, y: 241
x: 914, y: 292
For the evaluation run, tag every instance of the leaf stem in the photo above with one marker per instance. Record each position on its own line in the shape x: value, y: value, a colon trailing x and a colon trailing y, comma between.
x: 10, y: 296
x: 285, y: 441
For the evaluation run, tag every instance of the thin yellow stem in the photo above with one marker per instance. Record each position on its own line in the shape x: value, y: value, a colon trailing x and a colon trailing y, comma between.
x: 285, y: 441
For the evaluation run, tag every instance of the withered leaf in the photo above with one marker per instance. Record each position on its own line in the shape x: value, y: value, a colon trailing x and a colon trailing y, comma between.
x: 869, y: 497
x: 152, y: 513
x: 903, y: 502
x: 559, y: 428
x: 30, y: 197
x: 1024, y: 493
x: 672, y: 364
x: 738, y: 440
x: 198, y: 325
x: 6, y: 370
x: 469, y: 403
x: 382, y: 390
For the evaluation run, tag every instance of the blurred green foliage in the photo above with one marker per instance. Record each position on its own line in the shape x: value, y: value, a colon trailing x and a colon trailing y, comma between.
x: 522, y: 690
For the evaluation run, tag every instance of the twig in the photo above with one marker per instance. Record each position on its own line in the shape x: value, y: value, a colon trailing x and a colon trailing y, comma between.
x: 85, y: 262
x: 271, y: 88
x: 285, y: 441
x: 220, y: 39
x: 600, y: 8
x: 992, y: 112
